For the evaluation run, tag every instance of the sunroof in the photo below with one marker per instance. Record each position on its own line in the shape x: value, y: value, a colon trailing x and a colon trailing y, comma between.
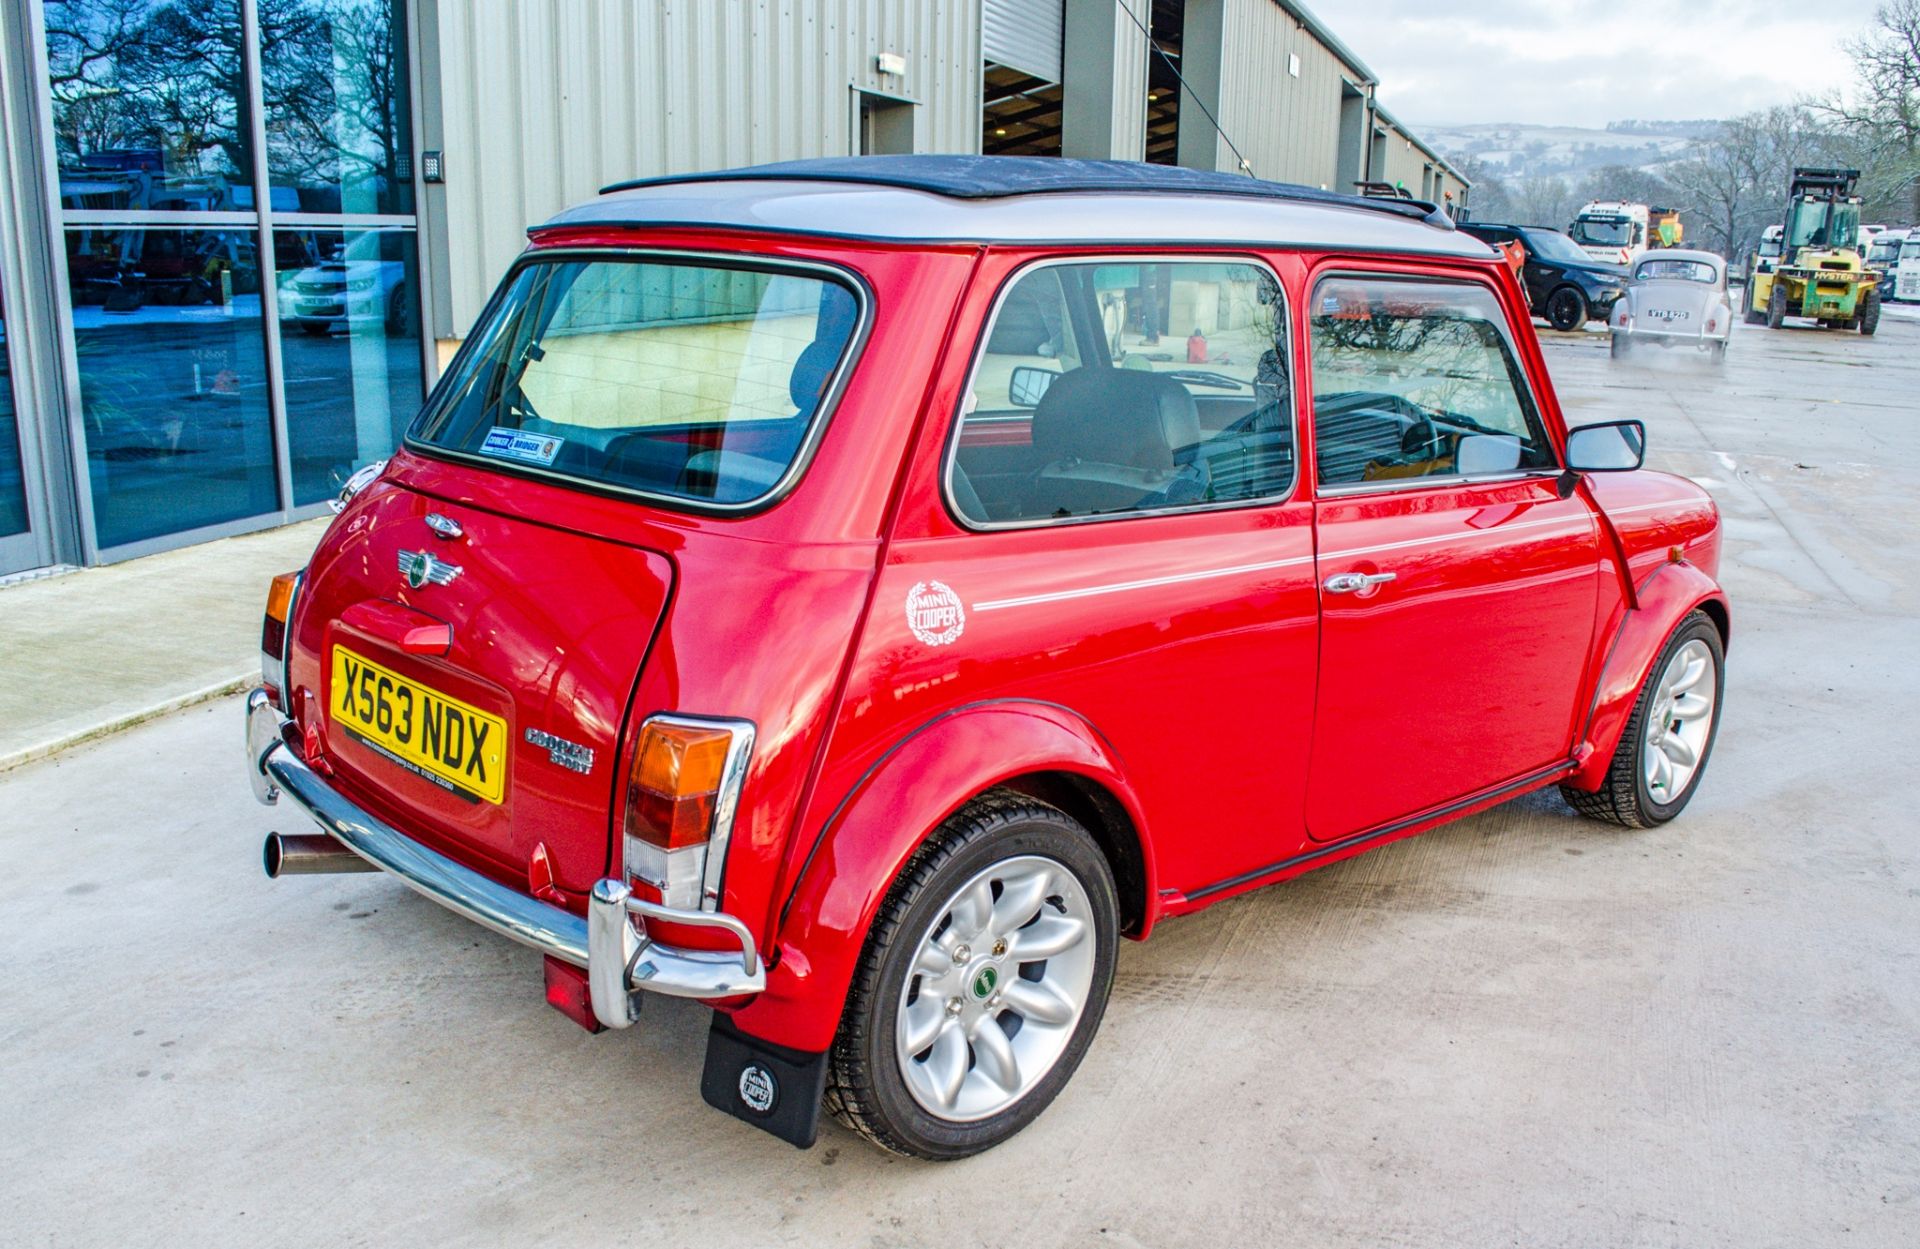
x: 994, y: 177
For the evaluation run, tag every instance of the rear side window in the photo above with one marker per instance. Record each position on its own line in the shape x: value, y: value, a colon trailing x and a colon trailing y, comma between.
x: 688, y: 380
x: 1674, y: 271
x: 1417, y: 379
x: 1126, y: 386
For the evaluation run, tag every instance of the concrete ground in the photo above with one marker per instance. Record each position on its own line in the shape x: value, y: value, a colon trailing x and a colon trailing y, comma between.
x: 1522, y: 1029
x: 91, y: 651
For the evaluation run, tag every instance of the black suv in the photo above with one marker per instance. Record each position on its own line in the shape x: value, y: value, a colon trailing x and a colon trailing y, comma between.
x: 1564, y: 284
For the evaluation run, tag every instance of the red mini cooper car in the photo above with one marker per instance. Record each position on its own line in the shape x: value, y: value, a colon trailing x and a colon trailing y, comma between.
x: 856, y: 593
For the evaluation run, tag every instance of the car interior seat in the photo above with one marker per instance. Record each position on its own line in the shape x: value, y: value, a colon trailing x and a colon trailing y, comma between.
x: 1110, y: 440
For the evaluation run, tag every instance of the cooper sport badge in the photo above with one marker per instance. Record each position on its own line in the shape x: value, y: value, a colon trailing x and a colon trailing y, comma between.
x: 934, y: 613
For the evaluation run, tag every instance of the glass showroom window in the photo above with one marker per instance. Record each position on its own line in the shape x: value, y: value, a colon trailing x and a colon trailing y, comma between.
x: 349, y: 348
x: 334, y: 83
x: 150, y: 105
x: 157, y: 105
x: 13, y: 490
x: 173, y: 379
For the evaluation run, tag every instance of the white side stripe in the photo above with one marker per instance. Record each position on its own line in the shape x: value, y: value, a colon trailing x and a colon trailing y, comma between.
x: 1147, y: 583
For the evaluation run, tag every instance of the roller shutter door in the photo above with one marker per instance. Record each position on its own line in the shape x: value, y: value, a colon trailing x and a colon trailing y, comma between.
x: 1023, y: 35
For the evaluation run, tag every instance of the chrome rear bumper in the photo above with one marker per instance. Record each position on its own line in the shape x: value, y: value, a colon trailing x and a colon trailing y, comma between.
x: 620, y: 959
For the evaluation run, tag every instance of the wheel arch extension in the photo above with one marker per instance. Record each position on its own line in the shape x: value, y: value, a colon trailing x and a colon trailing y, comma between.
x: 1039, y: 749
x: 1665, y: 599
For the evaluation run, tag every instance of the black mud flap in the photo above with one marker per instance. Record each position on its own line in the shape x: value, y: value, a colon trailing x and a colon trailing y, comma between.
x: 771, y: 1087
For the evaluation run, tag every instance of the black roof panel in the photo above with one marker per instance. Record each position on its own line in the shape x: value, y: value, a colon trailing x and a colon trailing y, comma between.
x: 994, y: 177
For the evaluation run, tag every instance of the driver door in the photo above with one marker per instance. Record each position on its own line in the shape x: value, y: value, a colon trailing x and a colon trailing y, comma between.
x: 1457, y: 588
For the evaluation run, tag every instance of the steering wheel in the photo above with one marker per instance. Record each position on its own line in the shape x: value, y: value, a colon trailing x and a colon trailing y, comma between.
x: 1431, y: 446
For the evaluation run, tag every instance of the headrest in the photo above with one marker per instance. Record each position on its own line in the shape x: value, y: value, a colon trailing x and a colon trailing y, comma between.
x: 831, y: 329
x: 1116, y: 416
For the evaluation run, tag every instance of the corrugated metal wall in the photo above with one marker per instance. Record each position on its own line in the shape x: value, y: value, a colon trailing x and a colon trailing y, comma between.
x: 540, y: 103
x: 1404, y: 162
x: 1287, y: 127
x: 1023, y: 35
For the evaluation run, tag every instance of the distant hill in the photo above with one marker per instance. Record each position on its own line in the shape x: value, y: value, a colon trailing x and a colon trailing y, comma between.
x: 1523, y: 150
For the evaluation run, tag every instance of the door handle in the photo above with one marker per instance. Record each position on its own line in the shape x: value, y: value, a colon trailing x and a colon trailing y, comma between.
x: 1355, y: 582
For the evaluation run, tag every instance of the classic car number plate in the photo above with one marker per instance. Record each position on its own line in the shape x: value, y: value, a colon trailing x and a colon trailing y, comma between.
x: 1668, y: 314
x: 456, y: 746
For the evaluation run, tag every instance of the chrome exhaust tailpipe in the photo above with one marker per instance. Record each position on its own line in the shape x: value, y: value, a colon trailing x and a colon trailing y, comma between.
x: 309, y: 856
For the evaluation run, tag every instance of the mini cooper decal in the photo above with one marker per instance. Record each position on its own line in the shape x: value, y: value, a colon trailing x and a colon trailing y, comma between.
x: 421, y: 568
x: 570, y: 755
x: 758, y: 1089
x: 934, y: 613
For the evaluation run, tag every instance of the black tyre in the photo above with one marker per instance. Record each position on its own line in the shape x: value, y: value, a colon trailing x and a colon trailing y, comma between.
x: 1674, y: 723
x: 1618, y: 347
x: 951, y: 1041
x: 1566, y: 309
x: 397, y: 313
x: 1870, y: 311
x: 1755, y: 314
x: 1777, y: 307
x: 1718, y: 352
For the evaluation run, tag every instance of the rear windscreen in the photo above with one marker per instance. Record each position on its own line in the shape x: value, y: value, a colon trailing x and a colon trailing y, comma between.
x: 690, y: 380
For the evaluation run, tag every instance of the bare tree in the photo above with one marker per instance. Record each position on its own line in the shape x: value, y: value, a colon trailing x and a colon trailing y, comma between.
x: 1882, y: 121
x: 1735, y: 185
x: 1546, y: 201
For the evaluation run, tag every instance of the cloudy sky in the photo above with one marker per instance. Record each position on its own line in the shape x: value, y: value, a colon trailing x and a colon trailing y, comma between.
x: 1588, y: 62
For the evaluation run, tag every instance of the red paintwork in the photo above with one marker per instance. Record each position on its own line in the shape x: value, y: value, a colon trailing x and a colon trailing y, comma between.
x: 1184, y: 667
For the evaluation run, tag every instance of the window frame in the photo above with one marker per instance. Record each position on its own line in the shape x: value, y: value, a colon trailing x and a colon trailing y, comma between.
x: 823, y: 411
x: 1404, y: 484
x: 951, y: 455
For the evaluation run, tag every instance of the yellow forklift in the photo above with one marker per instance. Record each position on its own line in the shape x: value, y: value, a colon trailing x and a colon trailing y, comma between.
x: 1821, y: 272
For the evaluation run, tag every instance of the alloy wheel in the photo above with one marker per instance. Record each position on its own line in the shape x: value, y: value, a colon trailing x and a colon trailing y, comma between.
x: 998, y: 982
x: 1679, y: 722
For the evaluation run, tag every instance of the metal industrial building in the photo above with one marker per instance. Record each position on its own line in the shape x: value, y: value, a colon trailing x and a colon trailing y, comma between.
x: 240, y: 237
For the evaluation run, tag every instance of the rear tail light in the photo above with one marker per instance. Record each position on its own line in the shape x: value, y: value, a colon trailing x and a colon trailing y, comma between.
x: 274, y: 633
x: 681, y: 796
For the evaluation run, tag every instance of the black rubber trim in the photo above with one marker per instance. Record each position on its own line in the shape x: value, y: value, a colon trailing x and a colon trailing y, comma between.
x: 1529, y: 781
x: 961, y: 176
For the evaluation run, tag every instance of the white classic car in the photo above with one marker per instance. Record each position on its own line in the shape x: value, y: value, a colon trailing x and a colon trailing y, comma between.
x: 1675, y: 298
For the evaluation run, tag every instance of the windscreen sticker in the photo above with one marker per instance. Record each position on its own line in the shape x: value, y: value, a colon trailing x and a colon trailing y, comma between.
x: 511, y: 444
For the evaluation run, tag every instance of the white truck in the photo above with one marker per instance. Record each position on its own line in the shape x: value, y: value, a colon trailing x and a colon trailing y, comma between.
x: 1906, y: 270
x: 1619, y: 232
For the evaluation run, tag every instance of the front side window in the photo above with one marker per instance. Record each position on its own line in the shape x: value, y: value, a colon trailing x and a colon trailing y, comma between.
x: 688, y: 380
x: 1417, y: 379
x: 1126, y: 386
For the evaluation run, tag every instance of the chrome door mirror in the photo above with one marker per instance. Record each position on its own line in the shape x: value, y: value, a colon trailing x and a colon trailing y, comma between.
x: 1476, y: 455
x: 1607, y: 447
x: 1029, y: 385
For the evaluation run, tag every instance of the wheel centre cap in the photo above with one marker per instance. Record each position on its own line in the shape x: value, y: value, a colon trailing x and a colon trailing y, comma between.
x: 985, y: 981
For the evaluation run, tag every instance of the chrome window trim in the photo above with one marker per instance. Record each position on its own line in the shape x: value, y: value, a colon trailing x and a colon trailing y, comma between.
x: 726, y: 804
x: 1432, y: 483
x: 961, y: 416
x: 1349, y: 489
x: 754, y: 261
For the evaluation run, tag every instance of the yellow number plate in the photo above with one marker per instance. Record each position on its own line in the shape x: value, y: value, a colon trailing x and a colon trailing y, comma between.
x: 457, y: 747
